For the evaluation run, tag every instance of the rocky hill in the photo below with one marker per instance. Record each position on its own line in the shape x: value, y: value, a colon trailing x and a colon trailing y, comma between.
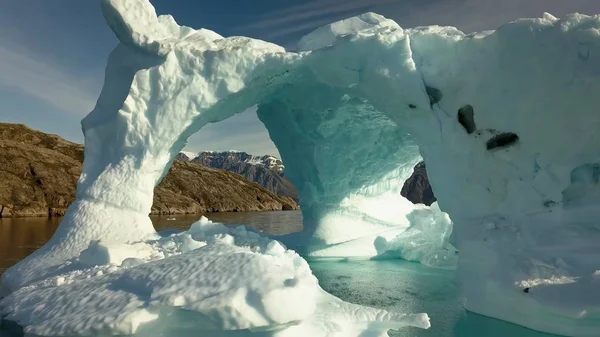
x: 39, y: 172
x: 268, y: 171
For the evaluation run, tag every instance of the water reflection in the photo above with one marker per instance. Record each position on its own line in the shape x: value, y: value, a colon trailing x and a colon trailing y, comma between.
x: 268, y: 222
x: 20, y: 237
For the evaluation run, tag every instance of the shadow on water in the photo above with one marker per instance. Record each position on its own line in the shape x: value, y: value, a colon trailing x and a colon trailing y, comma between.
x: 388, y: 284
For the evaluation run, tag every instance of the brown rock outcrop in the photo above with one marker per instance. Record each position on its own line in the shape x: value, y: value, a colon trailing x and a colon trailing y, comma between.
x: 39, y: 173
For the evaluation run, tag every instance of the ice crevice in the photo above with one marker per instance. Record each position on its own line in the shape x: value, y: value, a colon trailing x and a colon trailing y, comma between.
x: 352, y: 112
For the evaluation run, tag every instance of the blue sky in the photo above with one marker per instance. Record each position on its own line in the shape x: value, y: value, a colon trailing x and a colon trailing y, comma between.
x: 53, y: 52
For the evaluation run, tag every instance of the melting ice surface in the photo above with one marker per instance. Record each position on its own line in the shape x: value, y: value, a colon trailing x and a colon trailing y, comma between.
x: 506, y: 120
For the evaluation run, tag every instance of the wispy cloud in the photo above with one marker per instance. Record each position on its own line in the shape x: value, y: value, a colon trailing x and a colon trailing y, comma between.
x: 44, y: 81
x: 294, y: 19
x: 313, y: 10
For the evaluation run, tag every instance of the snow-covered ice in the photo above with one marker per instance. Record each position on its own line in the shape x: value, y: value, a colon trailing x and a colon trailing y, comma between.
x: 506, y: 120
x: 426, y: 240
x: 206, y: 281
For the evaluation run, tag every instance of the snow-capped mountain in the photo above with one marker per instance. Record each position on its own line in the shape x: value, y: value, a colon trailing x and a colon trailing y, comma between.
x: 270, y: 162
x: 267, y: 170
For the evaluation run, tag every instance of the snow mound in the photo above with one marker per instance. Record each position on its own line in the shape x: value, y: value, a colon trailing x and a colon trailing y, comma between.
x: 224, y: 279
x: 99, y: 253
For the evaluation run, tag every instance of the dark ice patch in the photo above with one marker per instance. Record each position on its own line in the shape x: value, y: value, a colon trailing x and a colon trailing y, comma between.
x: 435, y: 95
x: 466, y: 118
x: 501, y: 140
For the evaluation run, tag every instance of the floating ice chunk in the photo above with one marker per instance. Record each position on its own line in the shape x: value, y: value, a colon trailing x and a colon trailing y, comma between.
x: 204, y: 228
x: 101, y: 253
x: 274, y: 248
x: 188, y: 243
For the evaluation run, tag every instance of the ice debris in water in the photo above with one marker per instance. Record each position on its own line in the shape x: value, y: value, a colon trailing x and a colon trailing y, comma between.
x: 426, y: 241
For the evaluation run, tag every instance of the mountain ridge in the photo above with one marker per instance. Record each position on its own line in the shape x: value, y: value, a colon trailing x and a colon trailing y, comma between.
x: 255, y: 168
x: 39, y: 173
x: 266, y: 170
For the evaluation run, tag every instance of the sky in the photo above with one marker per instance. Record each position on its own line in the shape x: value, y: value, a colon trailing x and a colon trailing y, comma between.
x: 53, y: 52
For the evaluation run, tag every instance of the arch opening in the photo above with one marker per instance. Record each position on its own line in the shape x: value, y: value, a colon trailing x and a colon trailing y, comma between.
x: 347, y: 159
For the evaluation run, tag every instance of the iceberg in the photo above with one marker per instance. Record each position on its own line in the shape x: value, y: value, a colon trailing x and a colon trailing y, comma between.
x: 506, y: 121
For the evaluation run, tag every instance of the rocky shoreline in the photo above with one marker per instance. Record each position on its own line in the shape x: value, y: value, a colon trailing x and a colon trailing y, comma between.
x: 39, y: 173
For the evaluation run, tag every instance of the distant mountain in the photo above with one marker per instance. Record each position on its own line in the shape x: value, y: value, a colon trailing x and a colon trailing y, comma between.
x: 185, y: 156
x: 268, y: 171
x: 39, y: 172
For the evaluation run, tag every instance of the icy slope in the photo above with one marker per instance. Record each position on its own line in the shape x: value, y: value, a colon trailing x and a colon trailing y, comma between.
x: 506, y: 121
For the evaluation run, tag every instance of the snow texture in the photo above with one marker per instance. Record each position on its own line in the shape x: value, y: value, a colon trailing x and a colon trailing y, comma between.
x: 351, y: 114
x: 221, y: 279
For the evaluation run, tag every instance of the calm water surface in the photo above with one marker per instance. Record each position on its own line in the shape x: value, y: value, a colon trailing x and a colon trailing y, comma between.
x: 20, y: 237
x: 393, y: 284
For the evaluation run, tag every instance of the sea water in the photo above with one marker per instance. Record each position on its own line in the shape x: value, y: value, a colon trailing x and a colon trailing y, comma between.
x: 403, y: 286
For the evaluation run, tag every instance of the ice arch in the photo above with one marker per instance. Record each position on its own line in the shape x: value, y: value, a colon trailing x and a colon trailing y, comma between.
x: 361, y: 87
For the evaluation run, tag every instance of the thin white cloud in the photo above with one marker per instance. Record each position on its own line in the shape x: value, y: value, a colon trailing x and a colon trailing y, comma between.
x: 281, y: 23
x: 41, y: 80
x: 312, y: 10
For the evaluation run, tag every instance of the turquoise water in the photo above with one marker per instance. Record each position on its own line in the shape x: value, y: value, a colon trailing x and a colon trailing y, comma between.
x: 389, y: 284
x: 410, y: 288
